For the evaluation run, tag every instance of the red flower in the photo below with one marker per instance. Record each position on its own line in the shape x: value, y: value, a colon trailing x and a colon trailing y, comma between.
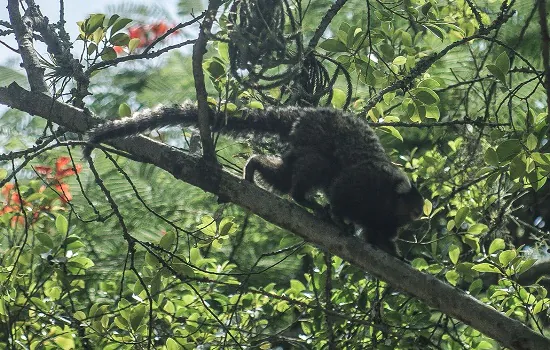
x: 118, y: 49
x: 13, y: 204
x: 63, y: 168
x: 139, y: 32
x: 159, y: 28
x: 42, y: 169
x: 6, y: 190
x: 146, y: 33
x: 61, y: 171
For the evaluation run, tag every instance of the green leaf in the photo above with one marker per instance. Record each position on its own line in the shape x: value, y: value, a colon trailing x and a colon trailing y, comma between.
x: 537, y: 179
x: 454, y: 253
x: 73, y: 242
x: 539, y: 306
x: 227, y: 226
x: 392, y: 131
x: 427, y: 207
x: 503, y: 62
x: 215, y: 69
x: 508, y: 149
x: 338, y: 98
x: 425, y: 95
x: 429, y: 83
x: 531, y: 142
x: 120, y: 39
x: 112, y: 20
x: 195, y: 256
x: 296, y: 286
x: 208, y: 226
x: 255, y: 105
x: 151, y: 260
x: 496, y: 244
x: 64, y: 341
x: 399, y: 60
x: 491, y: 157
x: 121, y: 23
x: 506, y: 256
x: 525, y: 265
x: 388, y: 97
x: 61, y: 224
x: 484, y: 345
x: 137, y: 316
x: 92, y: 23
x: 475, y: 287
x: 44, y: 239
x: 171, y: 344
x: 167, y: 240
x: 134, y: 44
x: 439, y: 32
x: 541, y: 158
x: 472, y: 241
x: 79, y: 315
x: 223, y: 51
x: 452, y: 277
x: 450, y: 225
x: 420, y: 264
x: 497, y: 73
x: 456, y: 28
x: 333, y: 45
x: 124, y: 110
x: 108, y: 54
x: 91, y: 49
x: 477, y: 229
x: 432, y: 112
x: 485, y: 267
x: 228, y: 107
x: 406, y: 39
x: 517, y: 168
x: 98, y: 35
x: 461, y: 215
x: 183, y: 269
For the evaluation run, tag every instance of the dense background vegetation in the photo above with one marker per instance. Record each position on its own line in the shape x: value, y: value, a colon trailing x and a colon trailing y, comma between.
x: 119, y: 254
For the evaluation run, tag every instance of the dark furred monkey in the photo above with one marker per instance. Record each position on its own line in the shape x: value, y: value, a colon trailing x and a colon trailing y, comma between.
x: 329, y: 150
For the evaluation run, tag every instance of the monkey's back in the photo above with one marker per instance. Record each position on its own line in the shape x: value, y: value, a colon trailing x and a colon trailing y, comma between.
x: 336, y: 135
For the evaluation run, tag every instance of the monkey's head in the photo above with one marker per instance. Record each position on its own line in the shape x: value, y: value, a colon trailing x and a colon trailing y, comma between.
x: 409, y: 203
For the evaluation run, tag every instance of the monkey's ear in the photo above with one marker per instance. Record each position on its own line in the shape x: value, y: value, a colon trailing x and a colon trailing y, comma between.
x: 403, y: 187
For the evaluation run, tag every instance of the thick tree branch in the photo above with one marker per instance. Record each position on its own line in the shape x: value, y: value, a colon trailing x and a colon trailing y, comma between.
x: 23, y: 30
x: 452, y: 301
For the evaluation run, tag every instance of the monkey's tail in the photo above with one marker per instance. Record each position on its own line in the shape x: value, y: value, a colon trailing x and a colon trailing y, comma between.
x: 270, y: 120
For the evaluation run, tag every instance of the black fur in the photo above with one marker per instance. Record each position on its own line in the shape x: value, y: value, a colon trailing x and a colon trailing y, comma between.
x: 329, y: 150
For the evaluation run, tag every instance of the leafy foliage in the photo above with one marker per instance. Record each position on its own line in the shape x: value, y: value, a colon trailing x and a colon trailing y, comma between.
x: 121, y: 255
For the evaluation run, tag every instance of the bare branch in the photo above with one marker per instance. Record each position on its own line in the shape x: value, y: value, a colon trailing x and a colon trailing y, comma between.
x: 199, y: 49
x: 545, y: 46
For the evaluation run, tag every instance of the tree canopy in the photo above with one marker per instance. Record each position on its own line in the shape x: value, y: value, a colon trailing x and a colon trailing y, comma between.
x: 155, y: 242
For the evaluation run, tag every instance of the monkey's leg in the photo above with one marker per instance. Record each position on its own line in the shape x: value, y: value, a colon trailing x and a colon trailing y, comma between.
x: 276, y: 171
x: 309, y: 172
x: 383, y: 240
